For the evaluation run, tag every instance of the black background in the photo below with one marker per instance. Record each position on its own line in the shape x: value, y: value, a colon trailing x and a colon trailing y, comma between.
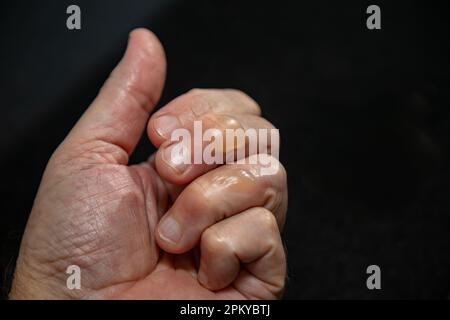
x: 364, y: 118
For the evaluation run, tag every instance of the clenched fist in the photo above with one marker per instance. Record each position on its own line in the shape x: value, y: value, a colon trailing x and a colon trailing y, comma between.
x: 162, y: 229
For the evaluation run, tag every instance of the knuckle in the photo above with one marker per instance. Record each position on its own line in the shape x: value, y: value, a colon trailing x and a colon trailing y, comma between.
x: 198, y: 95
x: 281, y: 170
x: 247, y: 99
x: 221, y: 122
x: 196, y: 92
x: 199, y: 190
x: 262, y: 161
x: 268, y: 225
x: 219, y: 100
x: 238, y: 93
x: 212, y: 241
x: 199, y: 102
x: 267, y: 220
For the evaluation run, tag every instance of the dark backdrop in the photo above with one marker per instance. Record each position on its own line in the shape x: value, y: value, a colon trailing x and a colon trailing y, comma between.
x: 364, y: 118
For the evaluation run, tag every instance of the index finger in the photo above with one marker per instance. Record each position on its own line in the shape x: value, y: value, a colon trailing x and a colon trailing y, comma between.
x: 184, y: 110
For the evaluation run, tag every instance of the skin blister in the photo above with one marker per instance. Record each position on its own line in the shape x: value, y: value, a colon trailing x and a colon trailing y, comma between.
x: 214, y: 109
x: 241, y: 182
x: 237, y: 187
x: 134, y: 231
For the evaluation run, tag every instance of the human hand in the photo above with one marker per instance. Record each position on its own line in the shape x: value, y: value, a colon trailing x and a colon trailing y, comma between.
x: 115, y: 220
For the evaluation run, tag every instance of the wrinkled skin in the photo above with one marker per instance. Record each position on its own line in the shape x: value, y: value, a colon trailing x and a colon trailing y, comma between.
x: 153, y: 230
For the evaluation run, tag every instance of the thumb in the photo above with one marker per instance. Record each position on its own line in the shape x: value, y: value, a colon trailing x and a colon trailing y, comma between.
x: 111, y: 127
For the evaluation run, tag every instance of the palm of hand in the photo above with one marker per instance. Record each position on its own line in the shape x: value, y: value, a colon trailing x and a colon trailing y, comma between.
x: 104, y: 222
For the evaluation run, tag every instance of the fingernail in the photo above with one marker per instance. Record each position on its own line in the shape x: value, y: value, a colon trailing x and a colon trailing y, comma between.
x: 164, y: 125
x: 170, y: 230
x: 177, y: 156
